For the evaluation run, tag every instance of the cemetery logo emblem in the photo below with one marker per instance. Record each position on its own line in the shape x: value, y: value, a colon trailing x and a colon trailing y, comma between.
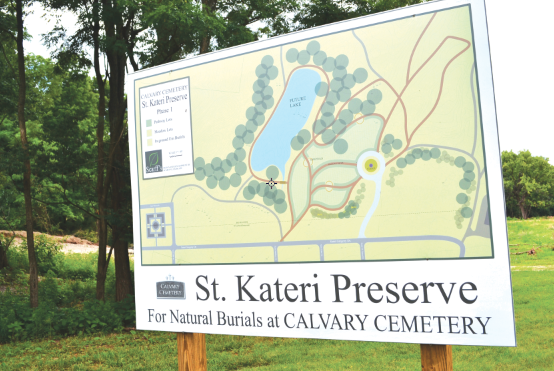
x: 154, y: 163
x: 170, y: 289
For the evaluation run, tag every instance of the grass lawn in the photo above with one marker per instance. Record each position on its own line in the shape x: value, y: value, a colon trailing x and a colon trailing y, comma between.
x: 143, y: 350
x: 528, y: 234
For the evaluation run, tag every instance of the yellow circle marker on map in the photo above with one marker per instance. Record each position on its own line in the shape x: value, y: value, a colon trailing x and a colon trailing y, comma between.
x: 360, y: 121
x: 371, y: 165
x: 328, y: 183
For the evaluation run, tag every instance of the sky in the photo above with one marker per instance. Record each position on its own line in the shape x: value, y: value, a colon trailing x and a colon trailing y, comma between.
x: 520, y: 35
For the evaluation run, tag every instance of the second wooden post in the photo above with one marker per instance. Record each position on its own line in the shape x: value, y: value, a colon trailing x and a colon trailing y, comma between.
x: 191, y: 350
x: 436, y: 357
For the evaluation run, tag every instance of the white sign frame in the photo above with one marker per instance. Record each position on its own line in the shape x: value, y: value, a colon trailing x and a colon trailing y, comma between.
x: 491, y: 277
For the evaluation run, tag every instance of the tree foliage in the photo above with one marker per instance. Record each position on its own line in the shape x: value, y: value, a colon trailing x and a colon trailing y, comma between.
x: 320, y: 12
x: 60, y: 111
x: 528, y: 184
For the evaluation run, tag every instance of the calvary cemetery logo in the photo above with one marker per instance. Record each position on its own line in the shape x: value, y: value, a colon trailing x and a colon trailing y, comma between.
x: 170, y: 289
x: 154, y: 162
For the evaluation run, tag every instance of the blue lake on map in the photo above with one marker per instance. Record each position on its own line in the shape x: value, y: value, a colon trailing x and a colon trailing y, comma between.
x: 273, y: 145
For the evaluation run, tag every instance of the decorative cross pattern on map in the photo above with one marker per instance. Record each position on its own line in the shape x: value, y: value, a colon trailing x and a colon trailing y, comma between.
x: 155, y: 225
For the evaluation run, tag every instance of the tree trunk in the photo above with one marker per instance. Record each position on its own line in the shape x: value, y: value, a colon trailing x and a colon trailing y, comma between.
x: 123, y: 281
x: 33, y: 271
x: 524, y: 213
x: 102, y: 228
x: 522, y: 208
x: 5, y: 243
x: 205, y: 44
x: 117, y: 106
x: 207, y: 7
x: 3, y: 254
x: 102, y: 265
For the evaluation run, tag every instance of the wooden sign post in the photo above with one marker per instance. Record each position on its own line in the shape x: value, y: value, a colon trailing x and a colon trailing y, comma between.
x: 191, y: 350
x: 436, y: 357
x: 192, y: 354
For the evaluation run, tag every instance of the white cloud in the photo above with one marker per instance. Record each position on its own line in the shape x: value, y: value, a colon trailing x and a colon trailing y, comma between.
x: 520, y: 36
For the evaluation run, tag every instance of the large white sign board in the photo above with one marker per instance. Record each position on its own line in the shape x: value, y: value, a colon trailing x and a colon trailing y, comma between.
x: 342, y: 182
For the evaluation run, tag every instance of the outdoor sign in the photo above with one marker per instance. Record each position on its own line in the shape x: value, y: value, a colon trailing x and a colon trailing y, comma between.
x: 342, y: 182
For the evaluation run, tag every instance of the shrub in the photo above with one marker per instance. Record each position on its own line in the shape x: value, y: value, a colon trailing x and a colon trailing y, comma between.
x: 77, y: 266
x: 88, y: 235
x: 17, y: 257
x: 49, y: 257
x: 5, y: 243
x: 67, y: 291
x: 47, y: 252
x: 19, y: 322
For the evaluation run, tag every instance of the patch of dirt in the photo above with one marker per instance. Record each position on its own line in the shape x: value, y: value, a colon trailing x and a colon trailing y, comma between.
x: 85, y: 249
x: 535, y: 268
x: 530, y: 252
x: 19, y: 235
x: 70, y: 244
x: 79, y: 248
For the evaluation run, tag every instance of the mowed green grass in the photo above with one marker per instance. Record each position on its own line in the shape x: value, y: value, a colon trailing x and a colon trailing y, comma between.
x: 528, y: 234
x: 143, y: 350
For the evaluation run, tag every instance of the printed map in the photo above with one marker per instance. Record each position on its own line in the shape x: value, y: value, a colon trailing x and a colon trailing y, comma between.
x: 356, y: 146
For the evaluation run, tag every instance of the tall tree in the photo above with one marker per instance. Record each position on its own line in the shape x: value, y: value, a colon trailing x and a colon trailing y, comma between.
x: 57, y: 119
x: 33, y: 270
x: 102, y: 184
x: 10, y: 210
x: 8, y: 109
x: 528, y: 182
x: 109, y: 27
x: 120, y: 27
x: 60, y: 121
x: 64, y: 140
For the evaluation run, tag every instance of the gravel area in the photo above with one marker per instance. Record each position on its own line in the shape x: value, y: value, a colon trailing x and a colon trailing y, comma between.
x: 70, y: 244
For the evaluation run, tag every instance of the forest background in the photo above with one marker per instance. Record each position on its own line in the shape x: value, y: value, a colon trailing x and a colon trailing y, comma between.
x: 64, y: 153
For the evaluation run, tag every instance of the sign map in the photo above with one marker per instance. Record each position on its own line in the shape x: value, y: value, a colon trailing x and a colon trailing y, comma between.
x: 360, y: 145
